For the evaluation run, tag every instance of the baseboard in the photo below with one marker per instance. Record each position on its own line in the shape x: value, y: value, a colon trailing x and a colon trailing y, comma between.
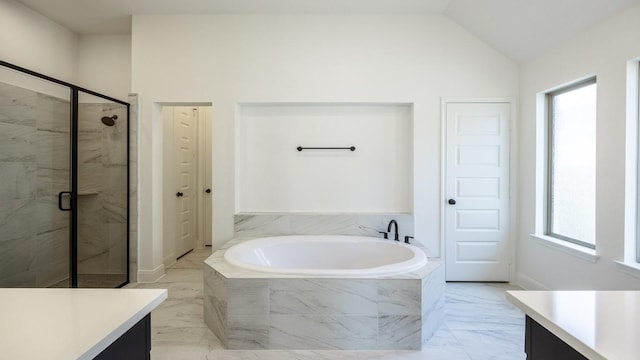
x: 149, y: 276
x: 528, y: 283
x: 169, y: 261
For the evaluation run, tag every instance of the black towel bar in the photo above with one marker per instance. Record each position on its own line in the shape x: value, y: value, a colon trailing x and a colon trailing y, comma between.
x: 352, y: 148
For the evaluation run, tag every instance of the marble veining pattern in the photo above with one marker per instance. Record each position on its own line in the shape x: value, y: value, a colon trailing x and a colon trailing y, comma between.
x: 251, y: 297
x: 34, y: 131
x: 248, y: 331
x: 34, y: 168
x: 18, y: 180
x: 102, y: 185
x: 400, y: 332
x: 17, y: 143
x: 259, y: 225
x: 322, y: 331
x: 17, y: 105
x: 14, y: 215
x: 398, y: 297
x: 315, y: 312
x: 323, y: 296
x: 178, y: 340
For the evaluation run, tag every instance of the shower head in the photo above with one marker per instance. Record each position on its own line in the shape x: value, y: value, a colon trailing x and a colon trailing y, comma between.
x: 109, y: 121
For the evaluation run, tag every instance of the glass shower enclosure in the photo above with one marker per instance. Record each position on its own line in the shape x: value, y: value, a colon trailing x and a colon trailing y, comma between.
x: 64, y: 189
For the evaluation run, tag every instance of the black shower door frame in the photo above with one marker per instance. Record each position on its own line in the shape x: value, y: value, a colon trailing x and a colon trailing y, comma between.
x: 73, y: 241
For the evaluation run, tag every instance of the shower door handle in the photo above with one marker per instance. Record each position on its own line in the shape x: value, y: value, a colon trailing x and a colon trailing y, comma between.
x: 60, y: 194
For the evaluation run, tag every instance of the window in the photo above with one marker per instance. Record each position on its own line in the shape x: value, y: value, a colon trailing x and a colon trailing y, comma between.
x: 630, y: 264
x: 634, y: 97
x: 571, y: 163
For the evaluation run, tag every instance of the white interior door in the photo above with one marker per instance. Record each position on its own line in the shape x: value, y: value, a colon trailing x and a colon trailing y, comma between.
x: 186, y: 146
x: 204, y: 171
x: 477, y: 192
x: 208, y: 196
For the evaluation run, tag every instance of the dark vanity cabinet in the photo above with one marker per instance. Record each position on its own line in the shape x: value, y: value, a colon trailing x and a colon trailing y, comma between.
x: 541, y: 344
x: 135, y: 344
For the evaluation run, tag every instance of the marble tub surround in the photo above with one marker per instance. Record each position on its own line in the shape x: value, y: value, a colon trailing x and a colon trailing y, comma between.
x: 253, y: 310
x: 254, y: 225
x: 479, y: 324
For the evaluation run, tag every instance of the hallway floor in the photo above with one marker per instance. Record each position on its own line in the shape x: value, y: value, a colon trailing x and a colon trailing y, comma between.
x: 479, y: 325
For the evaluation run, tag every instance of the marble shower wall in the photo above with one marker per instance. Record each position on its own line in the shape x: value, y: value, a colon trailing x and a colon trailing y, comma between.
x: 34, y: 167
x: 102, y: 189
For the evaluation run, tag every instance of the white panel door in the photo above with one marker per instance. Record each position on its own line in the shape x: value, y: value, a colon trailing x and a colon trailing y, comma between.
x: 208, y: 206
x: 185, y: 143
x: 477, y: 192
x: 204, y: 157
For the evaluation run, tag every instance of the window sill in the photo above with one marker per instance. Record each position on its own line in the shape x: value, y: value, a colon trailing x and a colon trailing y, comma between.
x: 566, y: 247
x: 632, y: 269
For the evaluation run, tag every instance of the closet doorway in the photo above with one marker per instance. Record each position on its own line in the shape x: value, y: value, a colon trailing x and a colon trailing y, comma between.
x: 187, y: 179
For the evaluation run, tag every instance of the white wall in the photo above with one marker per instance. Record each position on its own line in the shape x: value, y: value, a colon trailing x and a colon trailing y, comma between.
x: 104, y: 64
x: 231, y: 59
x: 32, y: 41
x: 272, y: 176
x: 604, y: 51
x: 169, y: 187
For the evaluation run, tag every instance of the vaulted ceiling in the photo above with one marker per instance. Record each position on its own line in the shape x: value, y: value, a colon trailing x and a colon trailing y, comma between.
x: 520, y: 29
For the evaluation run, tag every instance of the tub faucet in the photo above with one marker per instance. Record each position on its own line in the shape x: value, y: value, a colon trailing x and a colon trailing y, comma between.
x: 395, y: 234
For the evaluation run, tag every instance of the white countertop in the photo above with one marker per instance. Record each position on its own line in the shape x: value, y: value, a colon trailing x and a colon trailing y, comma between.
x: 598, y: 324
x: 69, y: 323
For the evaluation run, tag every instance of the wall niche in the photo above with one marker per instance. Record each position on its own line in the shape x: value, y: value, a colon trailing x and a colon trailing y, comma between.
x: 272, y: 176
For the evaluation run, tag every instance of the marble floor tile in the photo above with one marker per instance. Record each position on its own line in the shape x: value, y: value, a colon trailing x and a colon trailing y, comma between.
x: 182, y: 275
x: 491, y: 344
x: 475, y: 293
x: 483, y: 316
x: 479, y: 325
x: 193, y: 260
x: 171, y: 352
x: 443, y: 345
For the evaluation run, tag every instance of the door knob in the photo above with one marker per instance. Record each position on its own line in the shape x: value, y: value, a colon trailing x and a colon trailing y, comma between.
x: 179, y: 194
x: 208, y: 191
x: 451, y: 202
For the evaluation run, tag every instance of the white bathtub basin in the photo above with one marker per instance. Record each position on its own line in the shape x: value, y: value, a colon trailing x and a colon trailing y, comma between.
x: 326, y: 255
